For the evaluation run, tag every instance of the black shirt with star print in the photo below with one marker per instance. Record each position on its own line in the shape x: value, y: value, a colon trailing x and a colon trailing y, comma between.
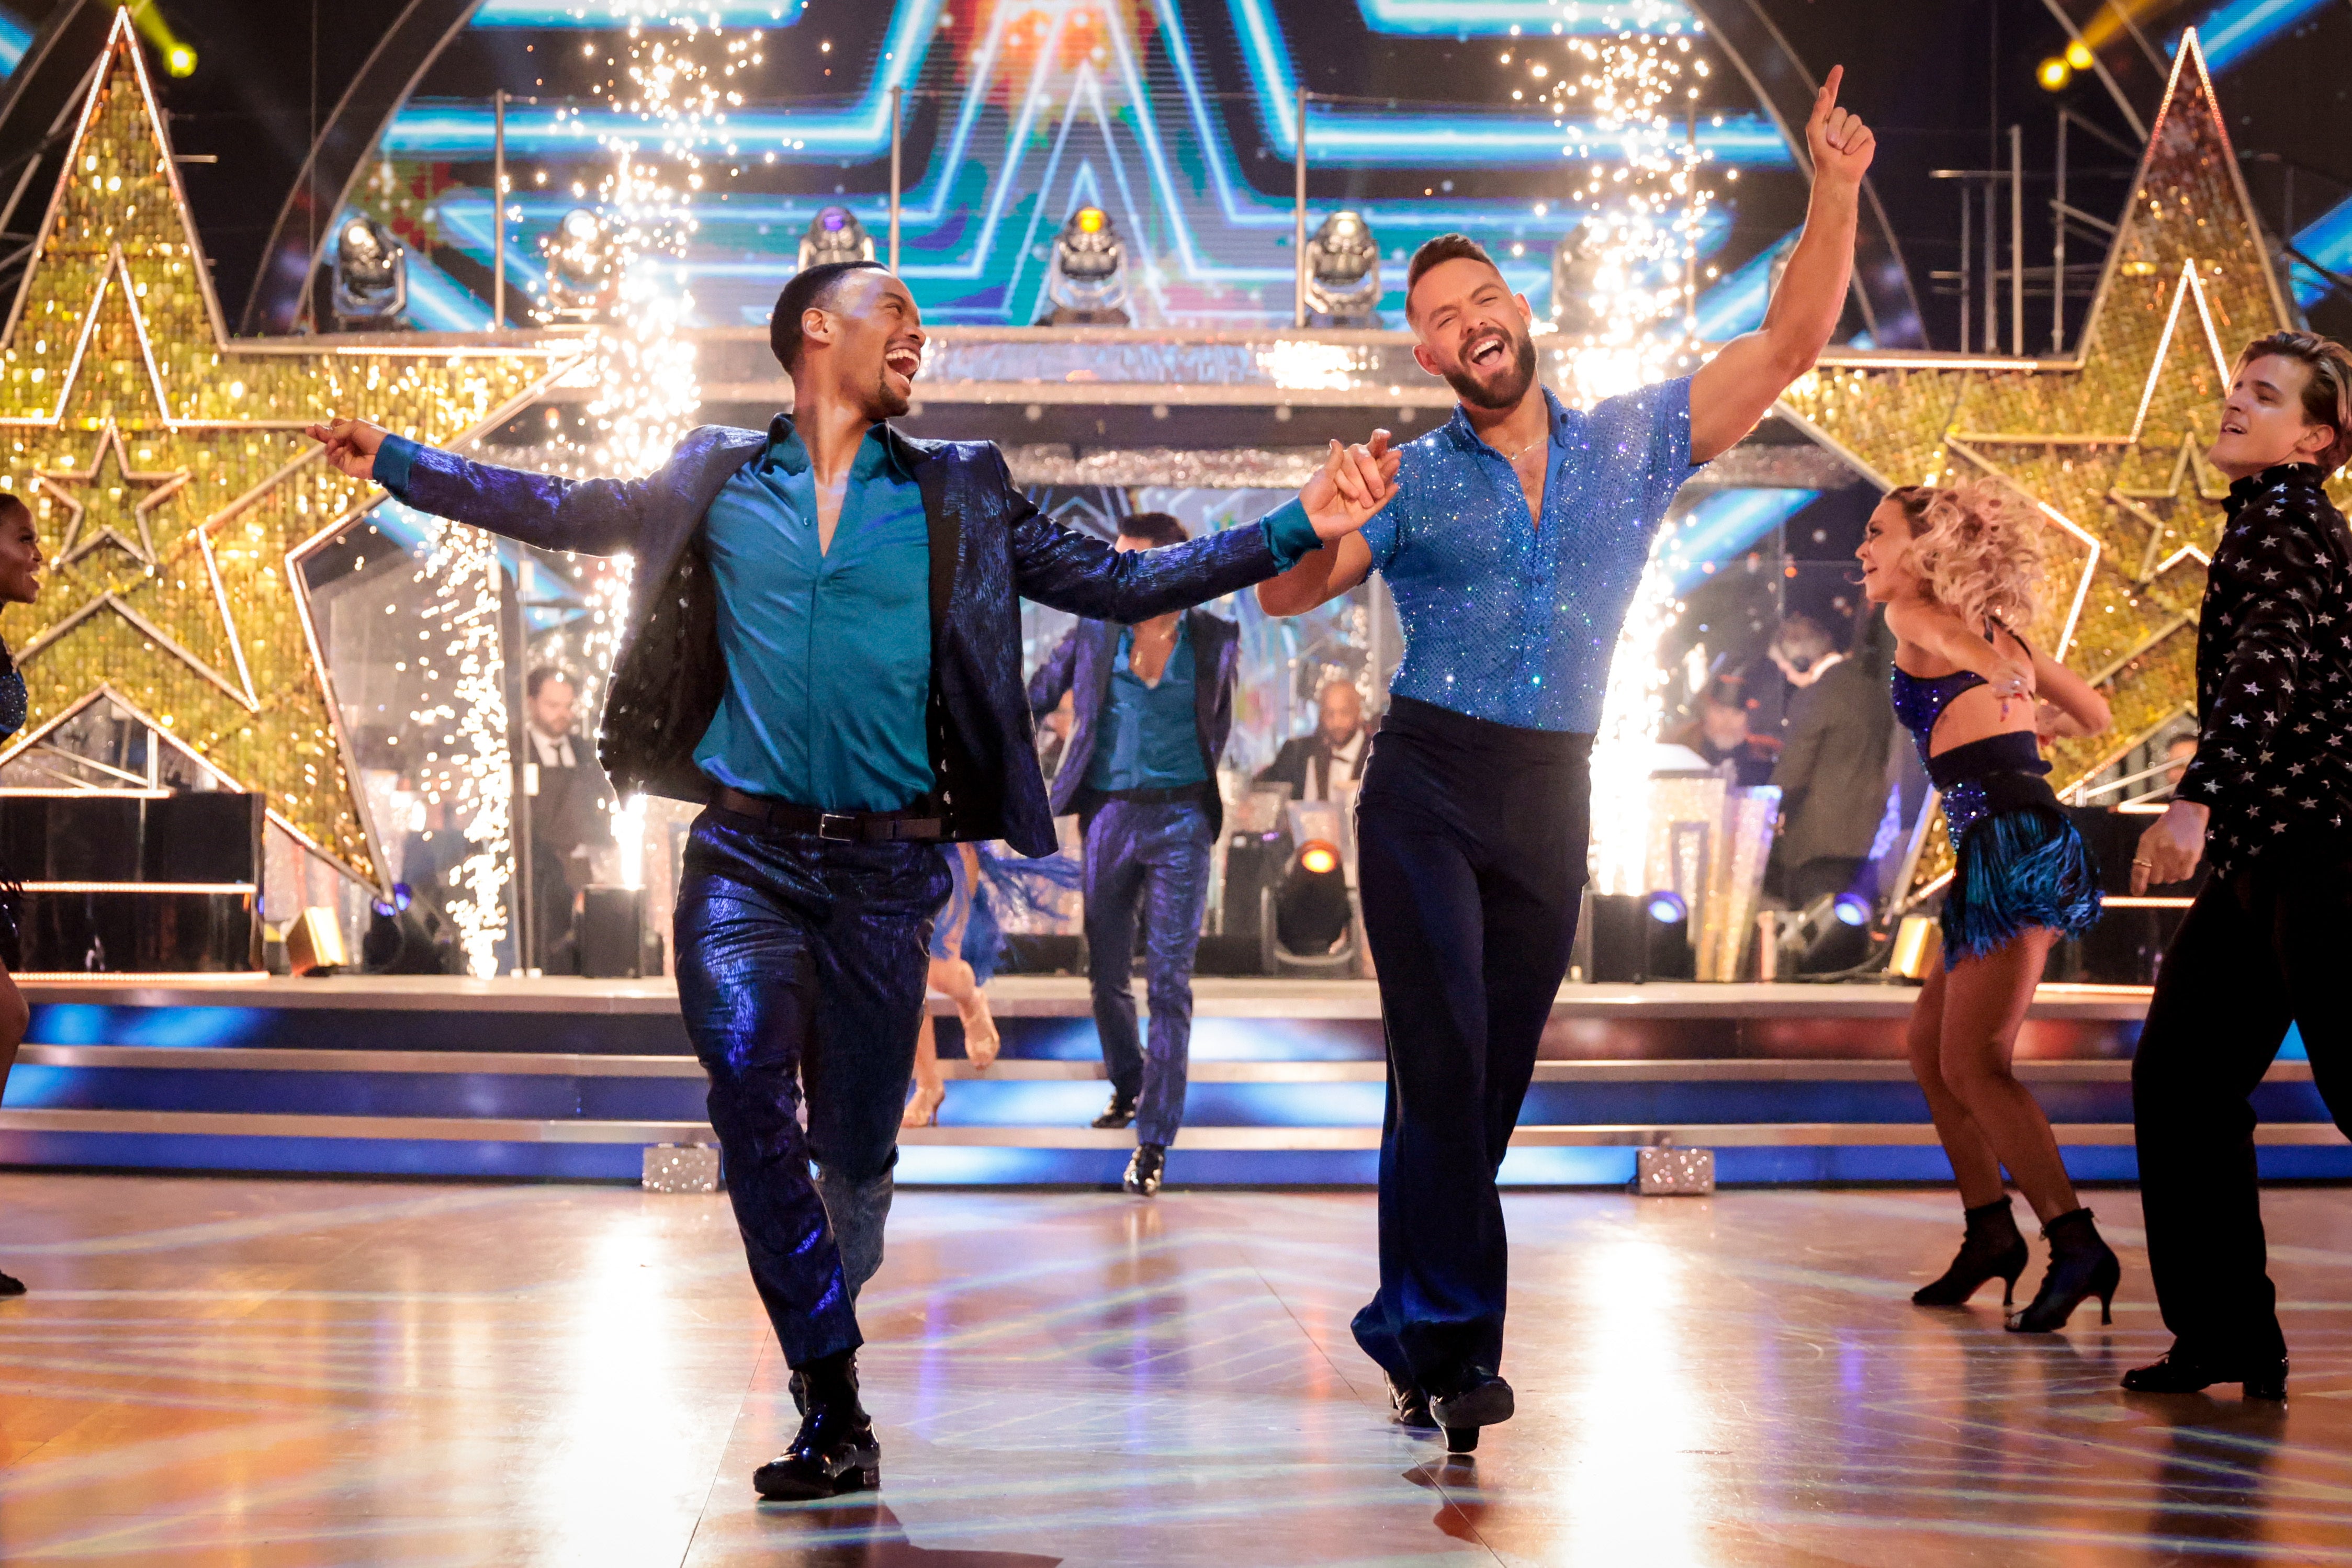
x: 2274, y: 674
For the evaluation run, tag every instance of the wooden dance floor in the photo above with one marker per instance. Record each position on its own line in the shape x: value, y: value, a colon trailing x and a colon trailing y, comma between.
x: 288, y: 1372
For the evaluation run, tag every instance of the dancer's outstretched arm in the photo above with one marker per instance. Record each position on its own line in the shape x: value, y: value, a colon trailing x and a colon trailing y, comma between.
x: 1739, y: 386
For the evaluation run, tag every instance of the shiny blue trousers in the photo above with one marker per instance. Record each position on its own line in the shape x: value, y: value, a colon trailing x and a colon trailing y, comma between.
x: 1470, y: 844
x: 1151, y: 858
x: 802, y: 968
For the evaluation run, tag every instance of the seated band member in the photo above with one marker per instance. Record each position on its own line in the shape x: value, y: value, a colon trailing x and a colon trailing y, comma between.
x: 1956, y: 570
x: 1519, y: 535
x: 1153, y: 704
x: 2266, y: 802
x: 825, y: 647
x: 1316, y: 766
x: 1719, y: 732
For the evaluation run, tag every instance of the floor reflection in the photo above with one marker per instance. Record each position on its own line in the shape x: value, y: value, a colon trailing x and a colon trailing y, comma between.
x: 287, y: 1373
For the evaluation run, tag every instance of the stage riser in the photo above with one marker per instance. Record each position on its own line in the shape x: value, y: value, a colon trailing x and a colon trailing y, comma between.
x: 1019, y: 1104
x: 1569, y: 1038
x: 1799, y: 1165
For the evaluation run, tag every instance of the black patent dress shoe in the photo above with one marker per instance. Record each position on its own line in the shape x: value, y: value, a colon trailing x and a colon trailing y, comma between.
x: 2261, y: 1377
x: 1145, y: 1170
x: 1117, y: 1114
x: 10, y: 1286
x: 834, y: 1452
x: 1411, y: 1404
x: 1478, y: 1398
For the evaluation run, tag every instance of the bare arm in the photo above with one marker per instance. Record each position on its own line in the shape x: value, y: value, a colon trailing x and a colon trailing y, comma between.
x: 1320, y: 576
x: 1944, y: 635
x: 1737, y: 387
x: 2080, y: 709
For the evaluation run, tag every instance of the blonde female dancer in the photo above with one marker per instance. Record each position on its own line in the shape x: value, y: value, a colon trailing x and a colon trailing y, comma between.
x: 1957, y: 568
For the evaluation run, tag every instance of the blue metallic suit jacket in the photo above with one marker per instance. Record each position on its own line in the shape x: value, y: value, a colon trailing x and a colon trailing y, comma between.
x: 990, y: 548
x: 1084, y: 663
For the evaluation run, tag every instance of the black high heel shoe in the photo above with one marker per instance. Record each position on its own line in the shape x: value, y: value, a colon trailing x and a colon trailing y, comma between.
x: 1992, y: 1249
x: 2081, y: 1266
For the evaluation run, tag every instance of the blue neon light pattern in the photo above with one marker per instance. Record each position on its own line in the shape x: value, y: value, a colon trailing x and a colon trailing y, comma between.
x: 1726, y: 524
x: 86, y: 1023
x: 2235, y: 33
x: 1137, y: 132
x: 14, y: 39
x: 2327, y: 242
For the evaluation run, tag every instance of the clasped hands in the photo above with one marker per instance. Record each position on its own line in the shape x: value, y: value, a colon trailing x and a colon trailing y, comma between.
x: 1354, y: 483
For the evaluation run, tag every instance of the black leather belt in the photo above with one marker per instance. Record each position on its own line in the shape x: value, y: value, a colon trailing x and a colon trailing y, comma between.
x: 842, y: 827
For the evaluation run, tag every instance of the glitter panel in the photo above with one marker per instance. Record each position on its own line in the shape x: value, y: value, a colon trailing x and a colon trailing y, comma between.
x: 171, y: 479
x: 2109, y: 443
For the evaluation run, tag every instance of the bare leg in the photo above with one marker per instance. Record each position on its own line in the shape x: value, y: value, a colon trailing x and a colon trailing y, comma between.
x: 953, y: 978
x: 1974, y: 1164
x: 930, y: 1088
x: 1984, y: 1002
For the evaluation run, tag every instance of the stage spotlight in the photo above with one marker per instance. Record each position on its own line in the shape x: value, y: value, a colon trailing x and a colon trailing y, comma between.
x: 180, y: 60
x: 2053, y: 74
x: 369, y: 284
x: 1318, y: 859
x: 1343, y: 271
x: 1850, y: 909
x: 1666, y: 906
x: 1086, y: 282
x: 834, y: 235
x: 583, y: 273
x: 2079, y: 56
x: 1575, y: 280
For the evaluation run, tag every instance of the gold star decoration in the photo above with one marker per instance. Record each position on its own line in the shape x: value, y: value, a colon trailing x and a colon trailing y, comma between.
x: 2108, y: 444
x: 176, y: 491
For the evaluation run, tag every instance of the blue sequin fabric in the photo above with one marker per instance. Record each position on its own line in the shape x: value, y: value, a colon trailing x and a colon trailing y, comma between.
x: 1513, y: 619
x: 14, y: 704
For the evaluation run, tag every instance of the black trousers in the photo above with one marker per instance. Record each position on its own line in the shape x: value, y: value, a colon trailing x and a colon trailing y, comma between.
x: 1471, y: 846
x: 2259, y: 950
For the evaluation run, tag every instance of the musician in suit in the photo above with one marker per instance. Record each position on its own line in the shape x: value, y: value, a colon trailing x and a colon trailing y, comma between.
x: 1315, y: 765
x: 1153, y: 705
x: 571, y: 815
x: 1832, y: 768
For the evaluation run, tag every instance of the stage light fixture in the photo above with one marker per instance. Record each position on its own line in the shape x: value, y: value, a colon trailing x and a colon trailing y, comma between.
x: 1085, y: 282
x: 1343, y: 271
x: 1850, y: 909
x: 834, y: 235
x: 2053, y: 74
x: 2079, y: 56
x: 1666, y: 906
x: 1318, y: 859
x: 583, y: 273
x: 368, y: 285
x: 180, y: 60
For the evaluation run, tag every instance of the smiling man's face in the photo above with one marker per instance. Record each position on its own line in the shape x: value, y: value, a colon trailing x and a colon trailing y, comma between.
x: 2263, y: 420
x: 874, y: 335
x: 1473, y: 330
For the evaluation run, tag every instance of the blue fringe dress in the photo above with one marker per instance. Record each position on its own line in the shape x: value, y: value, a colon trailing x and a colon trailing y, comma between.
x: 2021, y: 862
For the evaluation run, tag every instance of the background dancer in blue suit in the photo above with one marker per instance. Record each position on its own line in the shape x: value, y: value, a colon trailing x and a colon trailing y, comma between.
x: 825, y: 647
x: 1518, y: 537
x: 1154, y: 704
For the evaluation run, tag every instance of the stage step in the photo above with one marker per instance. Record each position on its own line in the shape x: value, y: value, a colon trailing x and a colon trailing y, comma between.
x: 572, y: 1079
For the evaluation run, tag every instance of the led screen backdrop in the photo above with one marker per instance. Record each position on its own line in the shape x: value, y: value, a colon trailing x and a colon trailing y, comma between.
x: 1177, y: 118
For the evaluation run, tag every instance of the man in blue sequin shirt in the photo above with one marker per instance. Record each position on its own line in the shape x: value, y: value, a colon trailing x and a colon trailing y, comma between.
x: 1516, y: 538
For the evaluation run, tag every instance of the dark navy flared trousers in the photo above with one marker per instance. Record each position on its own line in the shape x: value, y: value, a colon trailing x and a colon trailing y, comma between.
x: 1150, y: 857
x: 1471, y: 843
x: 801, y: 967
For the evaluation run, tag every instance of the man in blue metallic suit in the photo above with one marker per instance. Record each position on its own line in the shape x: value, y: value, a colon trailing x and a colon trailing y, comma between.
x: 1518, y: 537
x: 1154, y: 704
x: 824, y: 647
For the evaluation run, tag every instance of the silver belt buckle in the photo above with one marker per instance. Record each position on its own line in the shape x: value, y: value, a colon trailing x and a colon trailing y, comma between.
x: 838, y: 828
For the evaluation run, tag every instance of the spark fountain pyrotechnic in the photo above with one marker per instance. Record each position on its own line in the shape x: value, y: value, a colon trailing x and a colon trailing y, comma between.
x: 665, y: 134
x: 1639, y: 203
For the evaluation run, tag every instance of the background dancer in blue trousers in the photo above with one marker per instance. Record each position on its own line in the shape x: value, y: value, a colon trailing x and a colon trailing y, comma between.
x: 825, y: 646
x: 1154, y: 704
x: 1518, y: 537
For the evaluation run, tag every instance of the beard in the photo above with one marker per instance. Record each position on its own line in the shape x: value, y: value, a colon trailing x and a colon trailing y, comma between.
x: 1507, y: 389
x: 885, y: 401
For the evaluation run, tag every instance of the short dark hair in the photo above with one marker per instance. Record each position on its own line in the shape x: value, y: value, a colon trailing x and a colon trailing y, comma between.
x: 1803, y: 642
x: 542, y: 675
x: 2326, y: 396
x: 12, y: 503
x: 1444, y: 248
x: 810, y: 288
x: 1154, y: 529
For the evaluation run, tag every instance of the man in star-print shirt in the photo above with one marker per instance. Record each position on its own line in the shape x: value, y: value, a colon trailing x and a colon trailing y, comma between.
x: 2267, y: 805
